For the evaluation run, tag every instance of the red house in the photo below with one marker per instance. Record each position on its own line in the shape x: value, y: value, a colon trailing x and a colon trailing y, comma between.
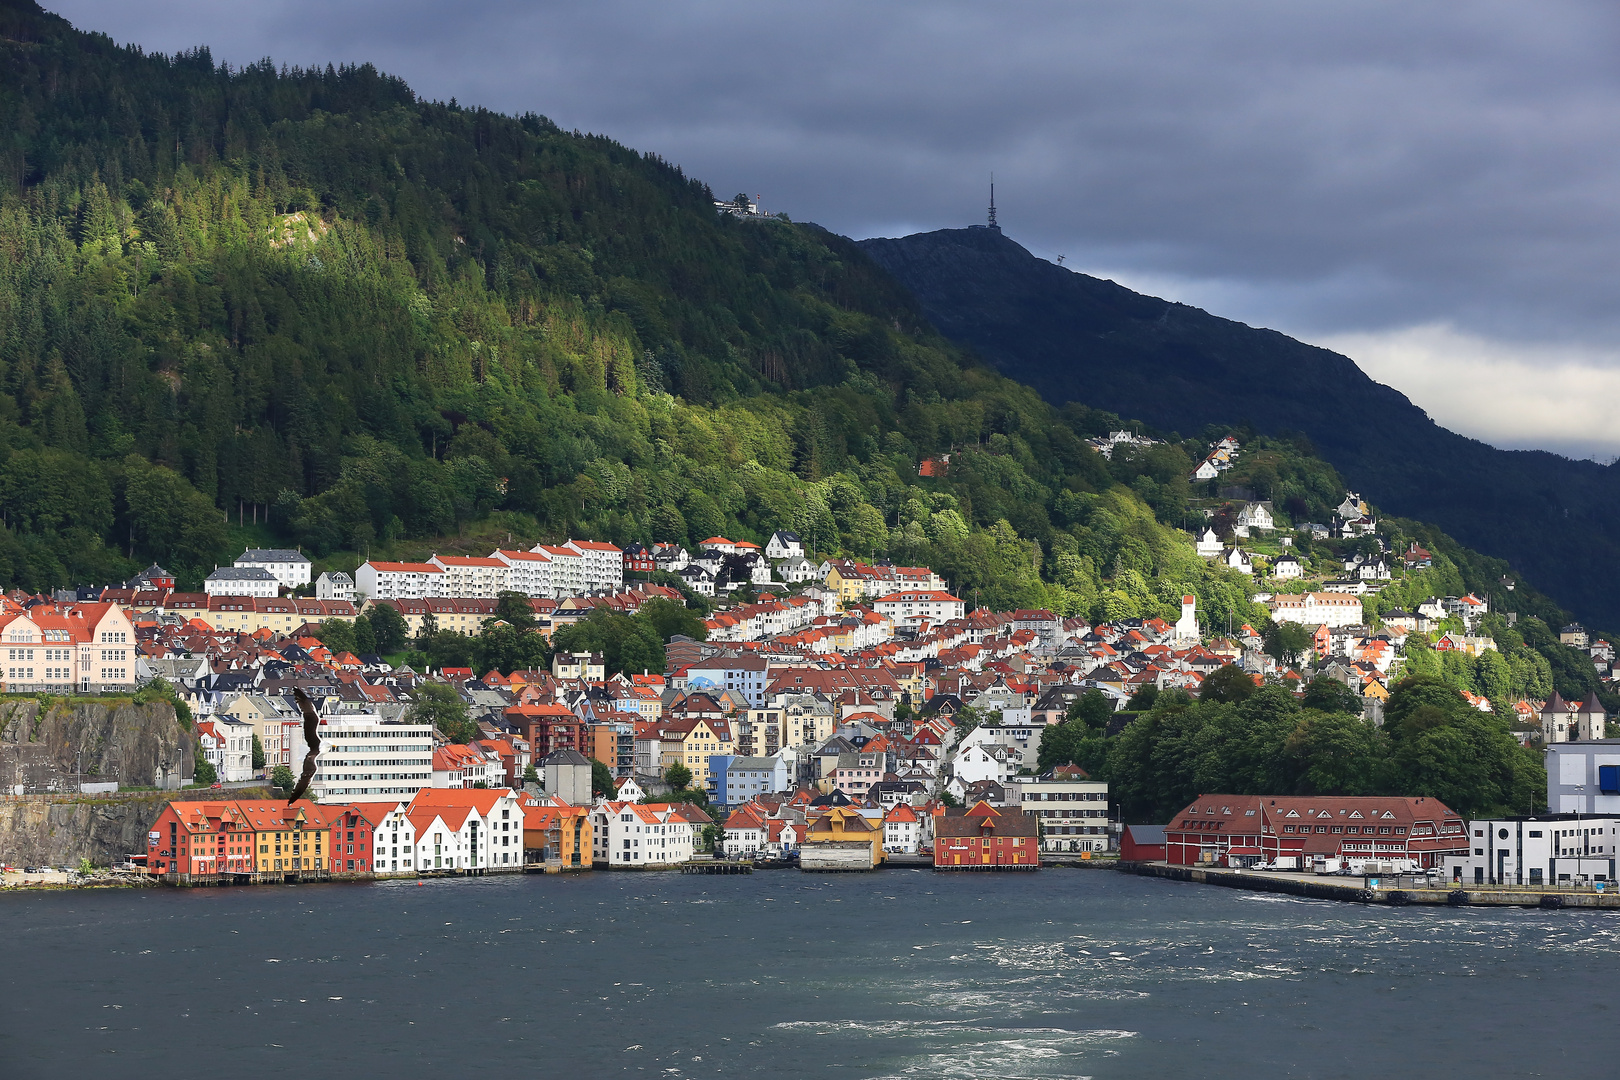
x: 1241, y: 830
x: 1142, y: 843
x: 984, y: 838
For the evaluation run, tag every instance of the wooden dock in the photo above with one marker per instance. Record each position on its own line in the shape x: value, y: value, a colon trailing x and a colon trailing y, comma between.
x: 716, y: 866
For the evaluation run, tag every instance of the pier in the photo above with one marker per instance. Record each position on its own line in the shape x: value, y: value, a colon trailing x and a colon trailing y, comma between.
x: 1393, y: 890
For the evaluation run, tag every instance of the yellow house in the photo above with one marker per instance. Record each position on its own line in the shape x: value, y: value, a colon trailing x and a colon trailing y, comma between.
x: 849, y: 582
x: 842, y: 839
x: 691, y: 742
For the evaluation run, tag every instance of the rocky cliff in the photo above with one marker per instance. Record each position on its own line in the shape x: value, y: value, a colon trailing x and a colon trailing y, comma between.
x: 50, y: 746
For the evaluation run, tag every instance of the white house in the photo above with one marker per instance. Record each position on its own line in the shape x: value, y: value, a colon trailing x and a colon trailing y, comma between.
x: 227, y: 744
x: 334, y: 585
x: 698, y: 579
x: 797, y: 569
x: 289, y: 567
x: 1256, y: 516
x: 1206, y: 470
x: 1238, y: 559
x: 1209, y: 545
x: 1286, y: 567
x: 393, y: 843
x: 1022, y: 743
x: 642, y: 834
x: 973, y: 763
x: 784, y: 545
x: 241, y: 581
x: 902, y: 830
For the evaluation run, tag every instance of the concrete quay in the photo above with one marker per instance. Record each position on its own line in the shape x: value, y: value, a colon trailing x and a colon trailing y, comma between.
x: 1360, y: 890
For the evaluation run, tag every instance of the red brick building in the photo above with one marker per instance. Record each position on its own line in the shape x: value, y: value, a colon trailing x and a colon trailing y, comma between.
x: 1241, y: 830
x: 984, y: 838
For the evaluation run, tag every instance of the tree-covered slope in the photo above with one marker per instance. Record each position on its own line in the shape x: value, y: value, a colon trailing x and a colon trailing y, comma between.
x: 376, y: 324
x: 1074, y: 337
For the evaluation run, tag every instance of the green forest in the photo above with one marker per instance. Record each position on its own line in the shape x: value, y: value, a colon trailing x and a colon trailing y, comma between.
x: 1246, y: 740
x: 308, y: 307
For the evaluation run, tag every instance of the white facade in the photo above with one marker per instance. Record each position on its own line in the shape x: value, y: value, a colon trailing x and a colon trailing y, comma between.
x: 363, y: 757
x: 1187, y: 626
x: 1073, y: 814
x: 784, y: 545
x: 470, y: 578
x: 1318, y: 608
x: 393, y: 842
x: 1209, y: 545
x: 528, y: 572
x: 1584, y: 777
x: 398, y: 581
x: 603, y: 565
x: 1552, y: 849
x: 1287, y: 567
x: 913, y: 606
x: 973, y: 763
x: 639, y: 834
x: 227, y: 744
x: 290, y: 568
x: 334, y: 585
x: 242, y: 581
x: 567, y: 570
x: 1256, y: 516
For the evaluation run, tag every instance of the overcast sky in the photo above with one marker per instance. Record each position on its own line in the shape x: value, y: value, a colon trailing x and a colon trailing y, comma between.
x: 1433, y: 189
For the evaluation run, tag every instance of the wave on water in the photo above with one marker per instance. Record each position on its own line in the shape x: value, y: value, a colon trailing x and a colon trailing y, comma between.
x: 953, y: 1050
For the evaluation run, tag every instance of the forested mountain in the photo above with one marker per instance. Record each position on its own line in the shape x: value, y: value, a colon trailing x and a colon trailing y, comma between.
x: 373, y: 324
x: 1074, y: 337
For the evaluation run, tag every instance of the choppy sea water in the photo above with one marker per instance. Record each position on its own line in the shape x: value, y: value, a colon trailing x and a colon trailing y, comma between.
x: 1063, y: 973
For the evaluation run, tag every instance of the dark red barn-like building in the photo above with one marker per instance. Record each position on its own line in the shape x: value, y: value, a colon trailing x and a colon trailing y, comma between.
x: 984, y: 838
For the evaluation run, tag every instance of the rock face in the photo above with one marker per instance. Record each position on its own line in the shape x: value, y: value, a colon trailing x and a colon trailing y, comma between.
x: 61, y: 830
x: 50, y: 749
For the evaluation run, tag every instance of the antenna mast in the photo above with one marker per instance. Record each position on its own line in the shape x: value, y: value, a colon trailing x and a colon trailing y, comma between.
x: 993, y: 224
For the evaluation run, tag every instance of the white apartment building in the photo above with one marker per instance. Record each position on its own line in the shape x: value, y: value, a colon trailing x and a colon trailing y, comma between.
x: 1550, y: 849
x: 1073, y: 812
x: 1318, y: 608
x: 638, y: 834
x: 398, y: 580
x: 290, y: 568
x: 603, y: 565
x: 528, y: 572
x: 567, y: 570
x: 469, y: 578
x: 241, y: 581
x: 913, y: 606
x: 364, y: 757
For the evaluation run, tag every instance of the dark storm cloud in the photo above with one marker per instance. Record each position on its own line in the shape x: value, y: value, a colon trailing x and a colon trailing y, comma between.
x: 1340, y: 169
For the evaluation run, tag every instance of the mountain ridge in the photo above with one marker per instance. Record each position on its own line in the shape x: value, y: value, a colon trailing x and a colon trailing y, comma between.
x: 1177, y: 367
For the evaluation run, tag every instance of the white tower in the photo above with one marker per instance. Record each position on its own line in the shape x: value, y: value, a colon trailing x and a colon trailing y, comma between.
x: 1187, y: 625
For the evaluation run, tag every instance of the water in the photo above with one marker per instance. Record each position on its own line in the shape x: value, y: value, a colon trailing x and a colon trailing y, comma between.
x: 898, y: 974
